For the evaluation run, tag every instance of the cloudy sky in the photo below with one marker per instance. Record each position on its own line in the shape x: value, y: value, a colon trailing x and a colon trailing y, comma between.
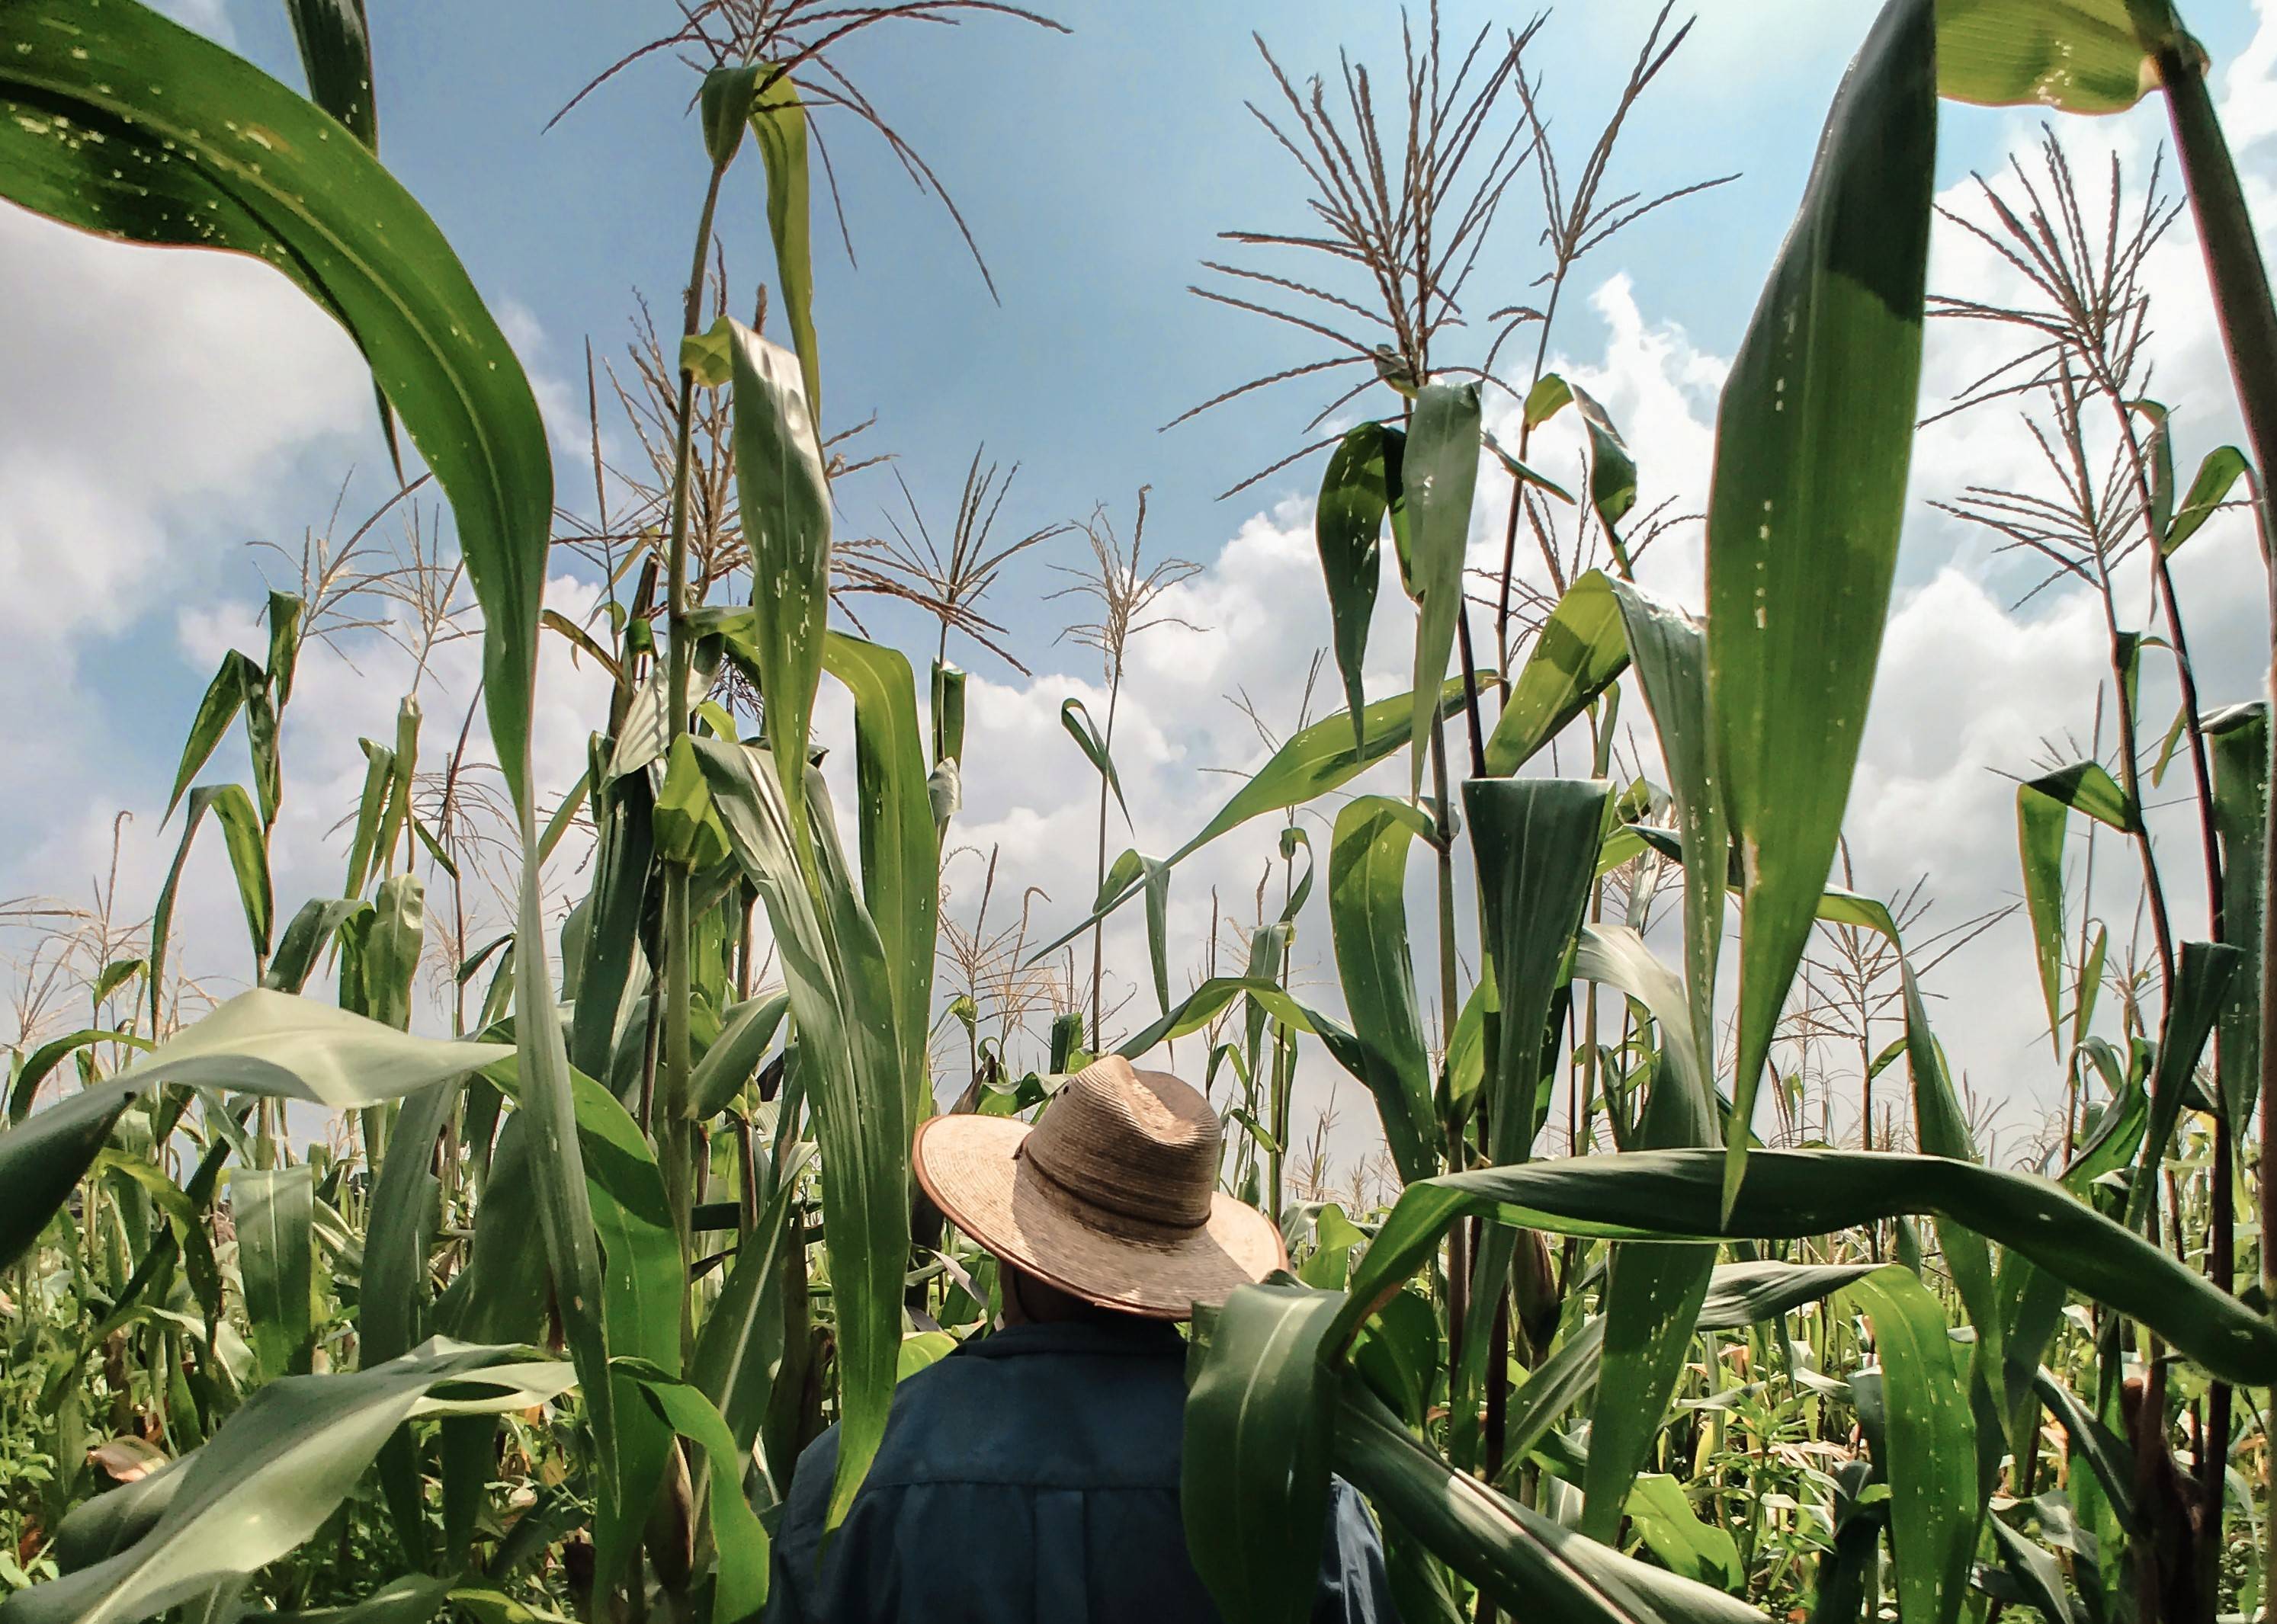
x: 174, y: 420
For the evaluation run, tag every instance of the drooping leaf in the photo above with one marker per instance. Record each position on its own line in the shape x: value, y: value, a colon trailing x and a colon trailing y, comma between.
x: 248, y: 859
x: 786, y: 507
x: 740, y: 1352
x: 740, y: 1544
x: 2210, y: 488
x: 1439, y: 470
x: 1612, y: 471
x: 394, y: 1290
x: 2238, y: 739
x: 610, y: 965
x: 1813, y: 439
x: 745, y: 1031
x: 1677, y: 1195
x: 225, y: 697
x: 2200, y: 993
x: 38, y: 1066
x: 1664, y: 1518
x: 271, y: 1476
x: 1357, y: 489
x: 1076, y: 720
x: 1581, y: 649
x: 1368, y: 925
x: 122, y: 123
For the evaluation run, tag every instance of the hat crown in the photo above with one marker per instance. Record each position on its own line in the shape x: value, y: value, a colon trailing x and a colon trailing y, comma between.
x: 1140, y: 1144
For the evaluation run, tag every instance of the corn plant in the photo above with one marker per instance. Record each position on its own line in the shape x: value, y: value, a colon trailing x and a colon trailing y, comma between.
x: 1673, y: 1374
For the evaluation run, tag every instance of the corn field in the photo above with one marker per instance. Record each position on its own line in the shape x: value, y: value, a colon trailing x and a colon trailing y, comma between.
x: 497, y: 1262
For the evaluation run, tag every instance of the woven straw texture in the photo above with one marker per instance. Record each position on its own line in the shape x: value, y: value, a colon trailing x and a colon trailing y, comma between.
x: 1112, y: 1196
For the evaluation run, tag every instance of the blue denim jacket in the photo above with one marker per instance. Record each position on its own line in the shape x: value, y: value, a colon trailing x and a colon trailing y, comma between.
x: 1032, y: 1477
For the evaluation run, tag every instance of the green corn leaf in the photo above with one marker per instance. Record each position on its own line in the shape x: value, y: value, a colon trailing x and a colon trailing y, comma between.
x: 2080, y: 56
x: 260, y: 1042
x: 272, y: 1478
x: 1438, y: 473
x: 722, y: 105
x: 2035, y: 1572
x: 42, y: 1062
x: 740, y: 1544
x: 1931, y: 1441
x: 612, y: 970
x: 2193, y: 1004
x: 225, y: 697
x: 1579, y: 652
x: 901, y: 853
x: 336, y: 54
x: 379, y: 781
x: 834, y: 970
x: 1358, y: 489
x: 1670, y: 654
x: 786, y: 507
x: 2158, y: 447
x: 2238, y: 739
x: 745, y: 1031
x: 1367, y: 924
x: 1813, y: 439
x: 241, y: 828
x: 1076, y: 720
x: 779, y: 120
x: 1662, y: 1517
x: 393, y: 1295
x: 1312, y: 762
x: 1612, y: 471
x: 1550, y: 396
x: 1253, y: 1475
x: 1132, y: 868
x: 2040, y: 823
x: 305, y: 937
x: 1677, y: 1195
x: 276, y: 1214
x: 2210, y: 488
x: 285, y: 611
x: 739, y: 1354
x: 1521, y: 475
x: 1535, y: 841
x: 1530, y: 1566
x: 391, y: 945
x: 122, y: 123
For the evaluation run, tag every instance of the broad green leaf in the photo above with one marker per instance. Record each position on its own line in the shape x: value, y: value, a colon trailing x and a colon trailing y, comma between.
x: 1367, y: 924
x: 2077, y: 55
x: 1677, y: 1195
x: 392, y: 940
x: 240, y: 827
x: 2040, y: 823
x: 1670, y: 654
x: 2200, y: 993
x: 1612, y: 471
x: 901, y: 853
x: 2086, y: 786
x: 1550, y: 396
x: 1077, y: 719
x: 260, y: 1042
x: 1253, y: 1473
x: 1132, y: 867
x: 740, y: 1544
x: 1580, y: 650
x: 226, y: 696
x: 611, y: 969
x: 722, y: 104
x: 394, y: 1291
x: 2037, y: 1573
x: 43, y: 1061
x: 2238, y: 741
x: 1672, y: 1530
x: 785, y: 508
x: 779, y: 121
x: 273, y: 1473
x: 834, y: 969
x: 285, y: 611
x: 275, y: 1213
x: 305, y: 935
x: 734, y: 1057
x: 120, y: 122
x: 1438, y: 473
x: 1812, y: 443
x: 1653, y: 1294
x: 2210, y: 488
x: 1930, y: 1439
x: 1357, y: 489
x: 740, y: 1353
x: 336, y: 54
x: 1535, y: 842
x: 1532, y: 1567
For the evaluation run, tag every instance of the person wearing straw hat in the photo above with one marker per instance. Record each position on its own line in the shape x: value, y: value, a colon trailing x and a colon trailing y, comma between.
x: 1031, y: 1476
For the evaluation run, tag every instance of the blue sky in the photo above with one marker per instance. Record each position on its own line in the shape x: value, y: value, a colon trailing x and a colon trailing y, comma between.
x: 168, y: 410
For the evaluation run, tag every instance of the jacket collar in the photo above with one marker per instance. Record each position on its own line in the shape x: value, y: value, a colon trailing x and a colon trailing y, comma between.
x: 1123, y: 1334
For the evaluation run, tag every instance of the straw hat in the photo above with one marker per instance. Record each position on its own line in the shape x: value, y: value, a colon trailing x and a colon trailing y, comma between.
x: 1112, y: 1196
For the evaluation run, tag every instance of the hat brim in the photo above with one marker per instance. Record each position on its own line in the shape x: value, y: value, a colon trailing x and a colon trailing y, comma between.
x: 969, y: 1166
